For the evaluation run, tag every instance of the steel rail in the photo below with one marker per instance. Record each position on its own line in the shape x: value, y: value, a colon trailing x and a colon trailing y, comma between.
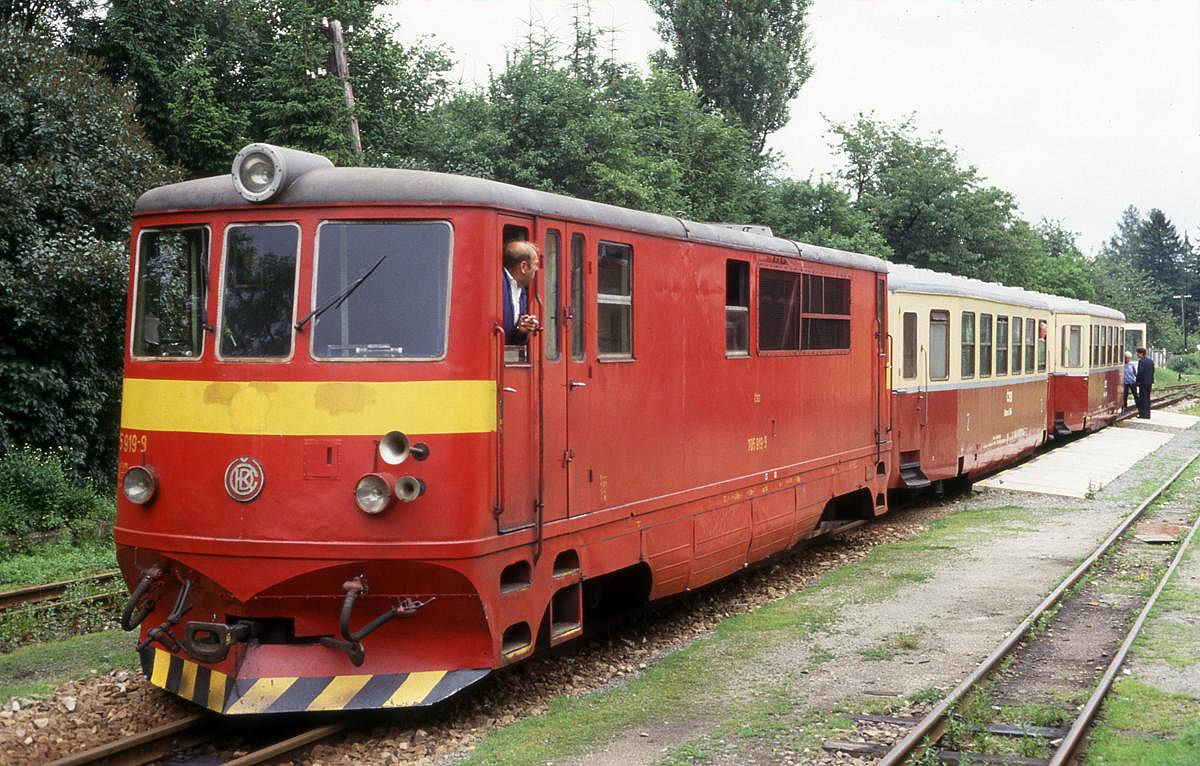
x: 289, y: 744
x: 1075, y: 735
x: 35, y: 593
x: 146, y: 747
x: 936, y: 718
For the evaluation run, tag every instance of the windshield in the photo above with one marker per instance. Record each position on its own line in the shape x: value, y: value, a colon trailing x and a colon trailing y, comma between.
x: 259, y: 291
x: 170, y: 294
x: 398, y: 310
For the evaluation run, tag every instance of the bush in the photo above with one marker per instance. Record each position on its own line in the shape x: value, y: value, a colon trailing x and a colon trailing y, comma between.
x: 1185, y: 364
x: 37, y: 495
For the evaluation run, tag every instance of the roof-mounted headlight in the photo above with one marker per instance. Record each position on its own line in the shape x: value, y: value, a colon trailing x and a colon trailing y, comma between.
x: 262, y: 171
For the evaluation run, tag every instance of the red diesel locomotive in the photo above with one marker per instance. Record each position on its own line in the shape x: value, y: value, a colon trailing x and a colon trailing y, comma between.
x: 340, y: 489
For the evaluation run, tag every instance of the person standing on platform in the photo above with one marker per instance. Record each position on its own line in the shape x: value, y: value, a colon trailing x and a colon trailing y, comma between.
x: 1129, y: 378
x: 1145, y: 380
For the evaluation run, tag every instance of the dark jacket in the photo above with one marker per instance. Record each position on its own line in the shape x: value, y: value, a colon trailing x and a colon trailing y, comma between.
x: 513, y: 336
x: 1145, y: 372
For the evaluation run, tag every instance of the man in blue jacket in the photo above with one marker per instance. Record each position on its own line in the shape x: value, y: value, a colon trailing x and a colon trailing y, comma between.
x: 1129, y: 378
x: 1145, y: 379
x: 520, y: 266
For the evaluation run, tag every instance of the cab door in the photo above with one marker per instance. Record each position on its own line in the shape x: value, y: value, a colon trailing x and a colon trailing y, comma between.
x: 518, y: 405
x: 578, y: 370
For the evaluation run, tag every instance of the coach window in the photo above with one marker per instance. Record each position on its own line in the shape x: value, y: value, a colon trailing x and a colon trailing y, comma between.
x: 171, y: 292
x: 577, y: 349
x: 1030, y: 341
x: 550, y: 264
x: 1094, y: 346
x: 778, y: 310
x: 825, y: 322
x: 985, y: 345
x: 939, y: 345
x: 1016, y: 344
x: 1112, y: 345
x: 737, y: 308
x: 910, y: 345
x: 968, y: 344
x: 1042, y: 339
x: 259, y: 291
x: 1001, y: 345
x: 1075, y: 346
x: 614, y: 294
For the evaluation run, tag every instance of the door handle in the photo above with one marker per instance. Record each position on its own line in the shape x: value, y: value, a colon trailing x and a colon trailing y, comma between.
x: 578, y: 384
x: 509, y: 390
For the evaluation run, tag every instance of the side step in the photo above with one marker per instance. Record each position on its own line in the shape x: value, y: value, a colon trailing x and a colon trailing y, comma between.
x: 1060, y: 428
x: 912, y: 476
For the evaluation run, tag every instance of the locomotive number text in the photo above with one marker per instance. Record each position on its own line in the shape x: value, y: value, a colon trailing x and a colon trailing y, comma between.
x: 133, y: 442
x: 756, y: 444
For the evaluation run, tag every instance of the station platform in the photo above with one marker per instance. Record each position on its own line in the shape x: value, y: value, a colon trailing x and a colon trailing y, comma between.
x: 1090, y: 463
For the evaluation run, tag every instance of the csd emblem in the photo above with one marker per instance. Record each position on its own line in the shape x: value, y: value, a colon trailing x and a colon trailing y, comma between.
x: 244, y: 479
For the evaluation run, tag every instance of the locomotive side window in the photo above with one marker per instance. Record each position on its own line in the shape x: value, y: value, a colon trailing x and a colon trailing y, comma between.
x: 825, y: 321
x: 577, y: 350
x: 737, y: 308
x: 985, y: 345
x: 1030, y: 341
x: 382, y: 290
x: 939, y: 345
x: 1016, y: 345
x: 171, y: 293
x: 910, y: 345
x: 968, y: 344
x: 259, y: 291
x: 550, y: 262
x: 778, y: 310
x: 1001, y: 345
x: 614, y: 294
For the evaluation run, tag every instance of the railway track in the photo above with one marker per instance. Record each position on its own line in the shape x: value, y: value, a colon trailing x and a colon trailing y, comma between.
x: 39, y: 597
x: 924, y: 737
x: 174, y: 739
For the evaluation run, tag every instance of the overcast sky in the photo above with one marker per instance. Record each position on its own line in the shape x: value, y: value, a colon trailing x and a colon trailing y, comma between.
x: 1078, y: 107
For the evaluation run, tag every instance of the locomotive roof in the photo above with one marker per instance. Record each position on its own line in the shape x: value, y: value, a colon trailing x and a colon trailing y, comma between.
x: 388, y: 185
x: 905, y: 278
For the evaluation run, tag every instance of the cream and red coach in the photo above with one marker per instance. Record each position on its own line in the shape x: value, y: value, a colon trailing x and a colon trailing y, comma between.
x: 340, y: 490
x: 1086, y: 386
x: 969, y: 374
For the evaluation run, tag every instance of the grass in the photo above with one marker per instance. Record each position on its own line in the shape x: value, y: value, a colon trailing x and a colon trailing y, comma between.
x: 56, y: 561
x: 36, y: 670
x: 689, y: 685
x: 895, y: 645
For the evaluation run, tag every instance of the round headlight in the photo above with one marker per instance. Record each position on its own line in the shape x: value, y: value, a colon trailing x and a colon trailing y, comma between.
x: 258, y: 172
x: 139, y: 484
x: 373, y: 493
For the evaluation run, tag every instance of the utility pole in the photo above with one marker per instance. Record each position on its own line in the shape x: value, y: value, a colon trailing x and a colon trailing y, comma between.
x: 343, y: 71
x: 1183, y: 318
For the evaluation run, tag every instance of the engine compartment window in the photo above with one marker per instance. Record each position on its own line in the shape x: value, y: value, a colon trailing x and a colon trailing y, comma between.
x: 737, y: 308
x: 382, y: 290
x: 826, y: 313
x: 172, y: 282
x: 778, y: 310
x: 614, y: 298
x: 258, y: 291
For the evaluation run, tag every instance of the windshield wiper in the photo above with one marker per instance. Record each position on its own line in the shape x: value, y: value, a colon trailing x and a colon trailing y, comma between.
x: 341, y: 297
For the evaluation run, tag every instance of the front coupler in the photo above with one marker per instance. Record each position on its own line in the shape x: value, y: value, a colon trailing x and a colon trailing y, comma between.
x: 351, y: 641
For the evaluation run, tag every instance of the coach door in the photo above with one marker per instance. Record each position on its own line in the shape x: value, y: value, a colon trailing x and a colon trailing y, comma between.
x: 577, y: 457
x: 518, y: 404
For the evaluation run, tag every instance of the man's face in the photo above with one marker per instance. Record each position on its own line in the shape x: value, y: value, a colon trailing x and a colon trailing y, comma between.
x: 527, y: 270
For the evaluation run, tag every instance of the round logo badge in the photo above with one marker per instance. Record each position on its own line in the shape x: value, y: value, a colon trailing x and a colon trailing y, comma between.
x: 244, y: 479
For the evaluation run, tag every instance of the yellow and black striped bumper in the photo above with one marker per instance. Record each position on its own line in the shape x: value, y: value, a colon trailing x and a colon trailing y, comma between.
x: 233, y: 696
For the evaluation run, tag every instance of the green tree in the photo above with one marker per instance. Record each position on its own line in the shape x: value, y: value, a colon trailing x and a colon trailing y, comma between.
x: 1160, y: 253
x: 213, y: 75
x: 820, y: 214
x: 72, y: 164
x: 932, y: 211
x: 1062, y: 269
x: 747, y: 58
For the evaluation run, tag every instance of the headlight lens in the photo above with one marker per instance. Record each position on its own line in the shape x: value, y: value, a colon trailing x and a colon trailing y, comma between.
x: 257, y: 172
x: 373, y: 493
x: 139, y: 484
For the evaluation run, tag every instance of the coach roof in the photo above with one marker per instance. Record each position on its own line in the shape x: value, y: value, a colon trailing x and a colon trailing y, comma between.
x: 367, y: 186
